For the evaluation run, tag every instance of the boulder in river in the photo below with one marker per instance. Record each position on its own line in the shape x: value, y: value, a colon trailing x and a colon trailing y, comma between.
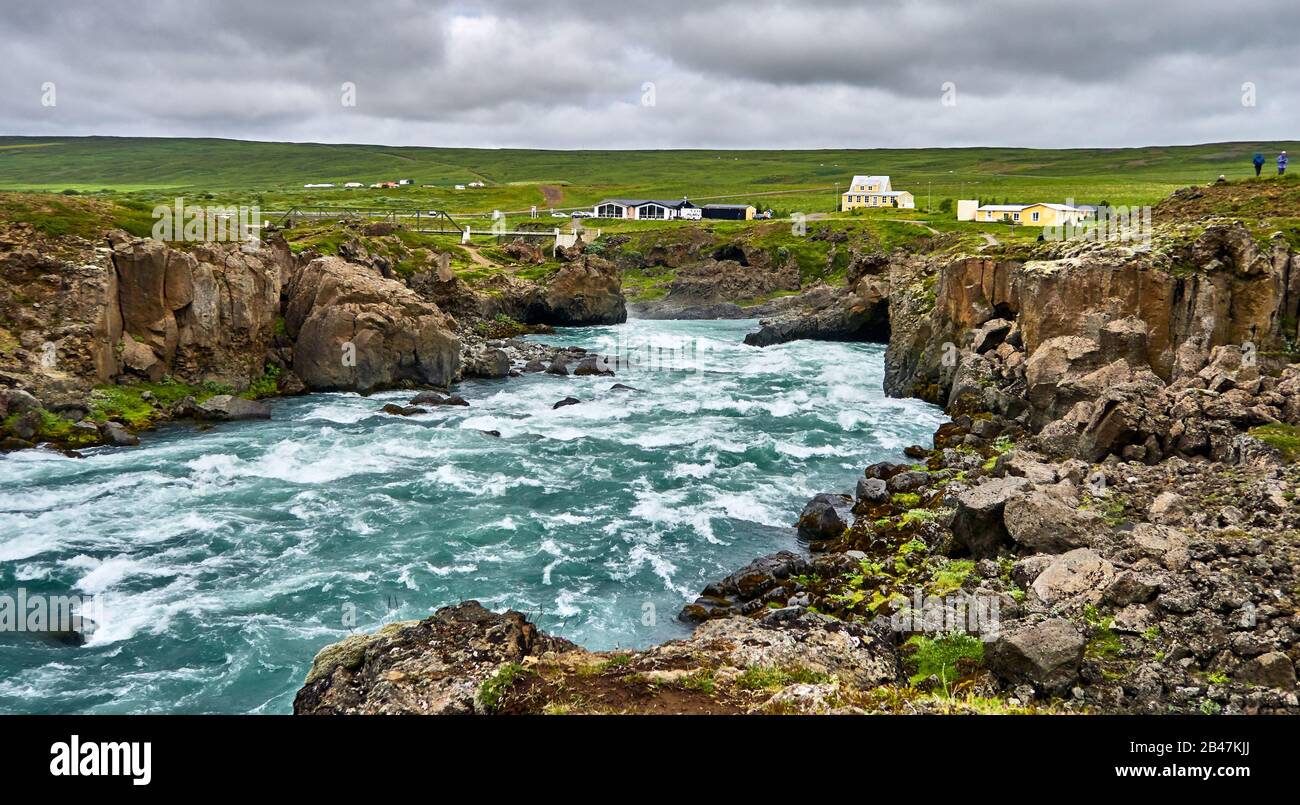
x: 434, y: 398
x: 824, y: 517
x: 557, y: 367
x: 403, y: 410
x: 117, y: 435
x: 593, y: 365
x: 228, y: 408
x: 566, y: 401
x: 492, y: 363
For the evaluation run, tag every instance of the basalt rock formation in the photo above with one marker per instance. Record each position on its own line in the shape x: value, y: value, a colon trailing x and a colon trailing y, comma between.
x: 86, y: 314
x: 734, y: 281
x: 60, y: 319
x: 584, y: 292
x: 78, y: 315
x: 862, y: 310
x: 1164, y: 351
x: 204, y: 315
x: 356, y: 331
x: 1192, y: 329
x: 255, y: 318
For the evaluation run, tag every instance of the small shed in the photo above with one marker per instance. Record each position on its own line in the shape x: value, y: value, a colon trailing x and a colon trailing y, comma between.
x: 729, y: 212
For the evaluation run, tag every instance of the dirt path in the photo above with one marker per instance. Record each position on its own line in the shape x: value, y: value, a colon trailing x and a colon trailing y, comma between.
x: 931, y: 229
x: 478, y: 259
x: 552, y: 195
x: 989, y: 239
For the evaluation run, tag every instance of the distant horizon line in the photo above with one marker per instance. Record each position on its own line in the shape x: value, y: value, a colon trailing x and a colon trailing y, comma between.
x: 828, y: 149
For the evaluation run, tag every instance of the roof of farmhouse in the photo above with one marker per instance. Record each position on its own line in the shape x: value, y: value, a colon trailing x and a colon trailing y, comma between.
x: 637, y: 202
x: 869, y: 180
x: 1019, y: 207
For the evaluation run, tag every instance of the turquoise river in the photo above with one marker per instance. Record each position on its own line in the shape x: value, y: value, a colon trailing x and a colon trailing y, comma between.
x: 224, y: 559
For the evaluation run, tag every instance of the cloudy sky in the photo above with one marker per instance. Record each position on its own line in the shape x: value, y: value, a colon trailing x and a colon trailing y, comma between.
x: 671, y: 73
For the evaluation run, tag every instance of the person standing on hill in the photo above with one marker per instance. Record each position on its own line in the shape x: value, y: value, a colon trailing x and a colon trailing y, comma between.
x: 1281, y: 163
x: 1258, y: 161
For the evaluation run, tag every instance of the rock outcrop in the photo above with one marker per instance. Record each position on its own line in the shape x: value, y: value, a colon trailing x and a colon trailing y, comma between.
x: 465, y: 659
x: 60, y: 319
x: 356, y: 331
x: 584, y: 292
x: 204, y: 315
x: 826, y: 313
x: 735, y: 281
x: 433, y: 666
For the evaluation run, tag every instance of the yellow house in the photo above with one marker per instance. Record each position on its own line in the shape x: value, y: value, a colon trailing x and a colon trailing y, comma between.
x: 874, y: 191
x: 1036, y: 214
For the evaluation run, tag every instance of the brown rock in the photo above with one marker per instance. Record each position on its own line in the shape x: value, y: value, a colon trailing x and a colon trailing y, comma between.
x: 360, y: 332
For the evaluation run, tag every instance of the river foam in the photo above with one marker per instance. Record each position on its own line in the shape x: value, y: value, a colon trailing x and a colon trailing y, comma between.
x: 227, y: 558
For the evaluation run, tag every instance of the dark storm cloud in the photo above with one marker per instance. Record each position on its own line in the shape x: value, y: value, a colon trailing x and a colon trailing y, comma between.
x: 740, y: 74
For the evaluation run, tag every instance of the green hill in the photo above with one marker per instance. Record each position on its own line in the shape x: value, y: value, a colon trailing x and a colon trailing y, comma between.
x: 273, y: 174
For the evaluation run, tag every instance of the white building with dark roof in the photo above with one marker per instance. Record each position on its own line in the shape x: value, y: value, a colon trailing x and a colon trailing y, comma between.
x: 646, y: 209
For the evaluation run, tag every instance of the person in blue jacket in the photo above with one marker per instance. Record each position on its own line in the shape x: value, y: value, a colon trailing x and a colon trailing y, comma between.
x: 1281, y: 163
x: 1258, y: 162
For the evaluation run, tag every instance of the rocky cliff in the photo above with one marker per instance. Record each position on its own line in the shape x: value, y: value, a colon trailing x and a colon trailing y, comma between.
x: 207, y: 315
x: 1056, y: 343
x: 98, y: 337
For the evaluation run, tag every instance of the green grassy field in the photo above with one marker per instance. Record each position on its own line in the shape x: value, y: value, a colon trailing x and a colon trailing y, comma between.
x: 272, y: 174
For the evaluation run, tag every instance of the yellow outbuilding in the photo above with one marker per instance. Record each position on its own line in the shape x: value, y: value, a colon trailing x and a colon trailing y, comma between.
x: 1036, y: 214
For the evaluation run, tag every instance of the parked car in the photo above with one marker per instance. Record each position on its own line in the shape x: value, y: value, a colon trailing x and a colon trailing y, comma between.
x: 583, y: 214
x: 559, y: 215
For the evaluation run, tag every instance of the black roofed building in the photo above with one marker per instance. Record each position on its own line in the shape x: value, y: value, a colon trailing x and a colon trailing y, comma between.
x: 730, y: 212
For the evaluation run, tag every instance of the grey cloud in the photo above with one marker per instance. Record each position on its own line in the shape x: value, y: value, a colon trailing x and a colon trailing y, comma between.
x: 516, y: 73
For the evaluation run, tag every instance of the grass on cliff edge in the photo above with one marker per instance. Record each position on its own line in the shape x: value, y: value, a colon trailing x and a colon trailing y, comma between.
x: 59, y: 215
x: 1281, y: 437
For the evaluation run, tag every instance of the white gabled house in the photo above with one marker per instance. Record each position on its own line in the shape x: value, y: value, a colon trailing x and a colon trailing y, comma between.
x: 643, y: 209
